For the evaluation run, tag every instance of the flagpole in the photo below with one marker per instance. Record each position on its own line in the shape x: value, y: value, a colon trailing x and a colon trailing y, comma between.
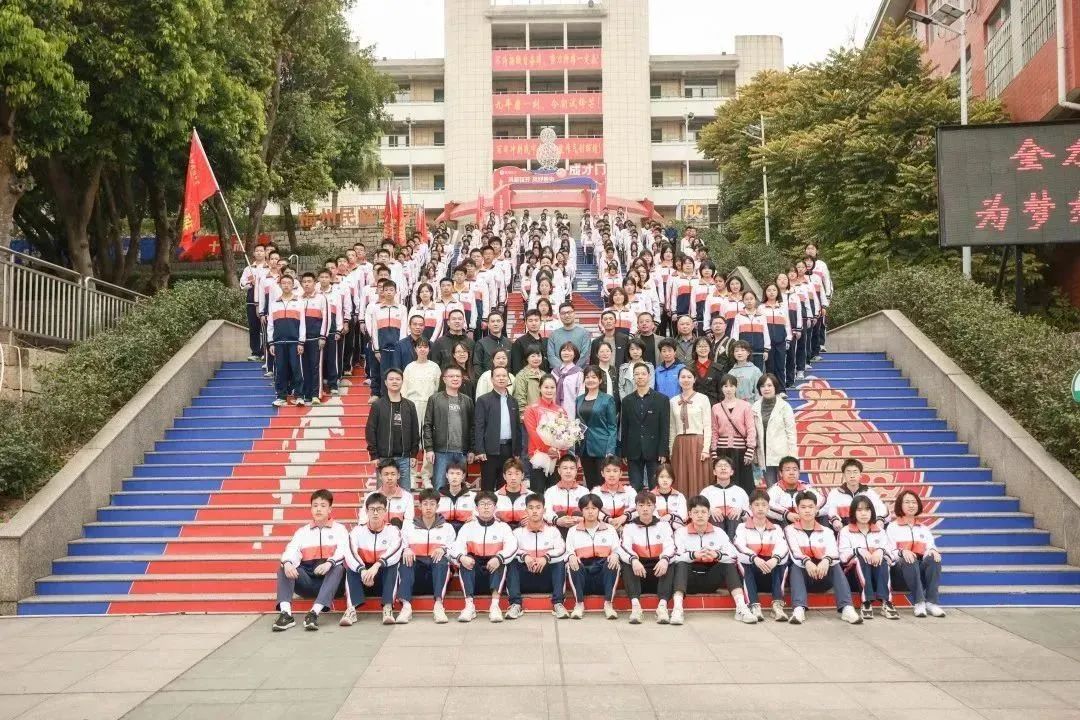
x: 232, y: 224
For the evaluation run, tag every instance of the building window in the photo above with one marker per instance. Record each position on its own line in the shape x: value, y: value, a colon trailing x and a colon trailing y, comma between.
x: 999, y: 51
x: 439, y: 94
x: 439, y: 181
x: 404, y: 93
x: 654, y: 91
x: 1037, y: 25
x: 440, y: 138
x: 697, y: 90
x: 658, y: 178
x: 391, y: 140
x: 657, y: 135
x: 704, y: 178
x: 502, y: 133
x: 955, y: 75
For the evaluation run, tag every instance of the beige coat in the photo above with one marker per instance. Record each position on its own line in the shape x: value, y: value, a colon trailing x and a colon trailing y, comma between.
x: 699, y: 413
x: 778, y: 440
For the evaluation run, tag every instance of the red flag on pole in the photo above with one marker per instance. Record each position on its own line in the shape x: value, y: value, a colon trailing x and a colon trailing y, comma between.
x: 399, y: 220
x: 421, y: 223
x: 388, y: 217
x: 199, y: 185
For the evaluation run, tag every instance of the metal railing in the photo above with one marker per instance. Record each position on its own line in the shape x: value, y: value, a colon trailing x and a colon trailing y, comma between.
x: 52, y: 302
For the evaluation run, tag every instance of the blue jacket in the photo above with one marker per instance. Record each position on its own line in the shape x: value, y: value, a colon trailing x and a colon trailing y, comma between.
x: 603, y: 427
x: 667, y: 379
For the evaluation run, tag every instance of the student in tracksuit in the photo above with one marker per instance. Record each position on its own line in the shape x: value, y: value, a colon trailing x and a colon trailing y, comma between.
x: 763, y: 556
x: 311, y: 565
x: 425, y: 560
x: 386, y: 321
x: 316, y: 328
x: 815, y: 562
x: 285, y: 334
x: 483, y: 549
x: 372, y: 560
x: 337, y: 300
x: 918, y: 559
x: 789, y: 298
x: 867, y: 553
x: 647, y: 551
x: 751, y: 327
x: 592, y: 558
x: 539, y: 565
x: 249, y: 282
x: 779, y: 324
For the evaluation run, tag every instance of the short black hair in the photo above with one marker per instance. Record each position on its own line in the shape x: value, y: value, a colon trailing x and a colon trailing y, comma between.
x: 393, y: 371
x: 568, y: 457
x: 428, y: 494
x: 386, y: 463
x: 758, y: 494
x: 323, y: 494
x: 788, y: 459
x: 698, y: 501
x: 645, y: 497
x: 535, y: 497
x: 611, y: 461
x: 486, y: 495
x: 375, y: 498
x: 590, y: 499
x: 805, y: 495
x: 851, y: 462
x: 309, y: 275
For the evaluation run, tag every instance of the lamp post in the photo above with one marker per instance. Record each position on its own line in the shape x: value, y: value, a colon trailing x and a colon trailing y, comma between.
x: 944, y: 17
x: 757, y: 132
x: 686, y: 138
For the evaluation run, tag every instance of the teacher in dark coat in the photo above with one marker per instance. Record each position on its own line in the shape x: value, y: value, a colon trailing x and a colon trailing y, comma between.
x: 596, y: 409
x: 644, y: 429
x: 496, y: 429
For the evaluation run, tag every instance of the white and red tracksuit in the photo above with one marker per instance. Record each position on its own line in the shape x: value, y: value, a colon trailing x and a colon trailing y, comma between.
x: 457, y: 509
x: 616, y: 503
x: 838, y: 504
x: 671, y: 507
x: 560, y: 501
x: 782, y: 500
x: 400, y: 508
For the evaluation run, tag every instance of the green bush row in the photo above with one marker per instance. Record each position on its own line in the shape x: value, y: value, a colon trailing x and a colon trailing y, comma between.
x: 1021, y: 361
x: 95, y: 378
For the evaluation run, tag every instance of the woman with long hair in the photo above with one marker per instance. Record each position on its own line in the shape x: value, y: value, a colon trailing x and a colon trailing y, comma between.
x: 461, y: 358
x: 596, y: 409
x: 774, y: 426
x: 425, y: 307
x: 734, y: 304
x: 867, y: 553
x: 918, y: 562
x: 635, y: 353
x: 789, y: 298
x: 707, y: 375
x: 670, y: 503
x: 779, y: 327
x: 625, y: 316
x: 690, y: 435
x: 531, y: 418
x: 569, y: 378
x: 734, y: 432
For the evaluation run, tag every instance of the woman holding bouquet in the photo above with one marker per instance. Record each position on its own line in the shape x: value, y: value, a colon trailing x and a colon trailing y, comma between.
x: 596, y: 409
x: 541, y: 477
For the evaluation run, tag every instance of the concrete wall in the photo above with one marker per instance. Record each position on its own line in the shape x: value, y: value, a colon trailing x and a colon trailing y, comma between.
x: 468, y: 98
x: 1045, y: 487
x: 19, y: 376
x: 627, y: 124
x: 41, y: 530
x: 757, y: 53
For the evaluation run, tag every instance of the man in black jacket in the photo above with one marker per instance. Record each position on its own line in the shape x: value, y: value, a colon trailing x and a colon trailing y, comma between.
x: 442, y: 351
x: 617, y: 340
x: 647, y: 334
x: 497, y: 425
x: 644, y: 429
x: 393, y: 430
x: 494, y: 339
x: 448, y: 427
x: 524, y: 345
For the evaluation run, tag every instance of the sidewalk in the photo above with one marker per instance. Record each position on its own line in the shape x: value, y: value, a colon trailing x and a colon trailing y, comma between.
x: 979, y: 664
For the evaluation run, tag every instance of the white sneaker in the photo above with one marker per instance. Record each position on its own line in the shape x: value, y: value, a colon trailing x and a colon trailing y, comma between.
x: 279, y: 403
x: 405, y: 615
x: 335, y: 392
x: 301, y: 402
x: 468, y: 614
x: 636, y: 616
x: 778, y: 612
x: 578, y: 612
x: 495, y: 614
x: 745, y: 615
x: 677, y: 616
x: 348, y: 619
x: 662, y: 616
x: 438, y: 614
x: 798, y: 616
x: 849, y: 616
x: 254, y: 358
x: 559, y: 611
x: 756, y: 610
x: 919, y: 610
x: 514, y: 612
x: 268, y: 373
x: 387, y: 615
x: 316, y: 400
x: 609, y: 611
x: 934, y: 610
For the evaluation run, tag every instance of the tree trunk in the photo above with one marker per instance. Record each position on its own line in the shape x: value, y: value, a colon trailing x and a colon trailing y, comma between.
x: 110, y: 242
x: 228, y: 253
x: 334, y: 202
x: 133, y: 213
x: 163, y: 245
x: 75, y: 191
x: 290, y: 224
x: 41, y: 232
x: 11, y: 186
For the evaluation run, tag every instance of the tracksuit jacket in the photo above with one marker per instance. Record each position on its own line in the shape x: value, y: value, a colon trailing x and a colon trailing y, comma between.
x: 284, y: 322
x: 912, y: 536
x: 671, y: 507
x: 752, y: 328
x: 782, y: 500
x: 460, y: 508
x: 815, y: 544
x: 423, y: 540
x: 400, y: 507
x: 511, y: 508
x: 600, y: 542
x: 654, y: 541
x: 562, y: 501
x: 367, y: 547
x: 483, y: 540
x: 616, y: 503
x: 778, y: 323
x: 766, y: 543
x: 316, y: 316
x: 838, y: 504
x: 313, y: 545
x: 724, y: 498
x: 387, y: 324
x: 689, y: 541
x: 547, y: 542
x: 852, y: 542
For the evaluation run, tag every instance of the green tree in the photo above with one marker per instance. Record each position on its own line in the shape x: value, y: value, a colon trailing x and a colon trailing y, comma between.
x: 850, y: 154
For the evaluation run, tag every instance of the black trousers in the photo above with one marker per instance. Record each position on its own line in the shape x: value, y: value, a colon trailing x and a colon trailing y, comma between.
x: 663, y: 586
x: 706, y: 578
x: 491, y: 469
x: 590, y: 467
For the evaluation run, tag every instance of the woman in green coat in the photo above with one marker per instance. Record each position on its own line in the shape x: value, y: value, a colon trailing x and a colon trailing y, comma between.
x: 596, y: 410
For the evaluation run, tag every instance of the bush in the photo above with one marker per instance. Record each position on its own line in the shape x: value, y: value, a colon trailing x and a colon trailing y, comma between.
x: 765, y: 262
x: 96, y: 377
x: 1022, y: 362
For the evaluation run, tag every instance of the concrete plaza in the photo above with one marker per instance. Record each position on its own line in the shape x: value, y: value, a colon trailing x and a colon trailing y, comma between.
x: 991, y: 664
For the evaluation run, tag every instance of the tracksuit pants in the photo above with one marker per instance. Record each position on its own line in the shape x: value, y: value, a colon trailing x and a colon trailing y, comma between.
x: 753, y: 579
x: 481, y: 321
x: 331, y: 358
x: 663, y: 586
x: 309, y: 585
x: 385, y: 585
x: 800, y: 349
x: 254, y: 329
x: 801, y: 585
x: 921, y: 578
x: 311, y: 362
x: 480, y: 577
x: 288, y: 374
x: 594, y: 578
x: 778, y: 361
x: 758, y: 358
x: 423, y: 577
x: 790, y: 361
x: 816, y: 338
x: 378, y: 365
x: 551, y: 580
x: 872, y: 583
x: 705, y: 578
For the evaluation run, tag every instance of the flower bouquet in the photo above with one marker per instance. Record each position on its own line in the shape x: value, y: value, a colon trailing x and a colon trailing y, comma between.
x: 560, y: 432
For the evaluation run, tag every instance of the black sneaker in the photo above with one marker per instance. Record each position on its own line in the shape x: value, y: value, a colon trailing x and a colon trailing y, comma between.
x: 311, y: 621
x: 284, y: 622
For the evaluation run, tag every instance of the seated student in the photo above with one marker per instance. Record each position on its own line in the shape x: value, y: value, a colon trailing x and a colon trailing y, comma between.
x: 400, y: 505
x: 539, y: 565
x: 783, y: 493
x: 592, y: 559
x: 763, y: 556
x: 728, y: 502
x: 705, y: 561
x: 618, y: 499
x: 311, y: 565
x: 851, y: 486
x: 372, y: 558
x: 483, y: 548
x: 670, y: 503
x: 867, y: 553
x: 646, y: 551
x: 562, y: 498
x: 512, y: 495
x: 425, y: 558
x: 457, y: 503
x: 815, y: 562
x: 919, y: 561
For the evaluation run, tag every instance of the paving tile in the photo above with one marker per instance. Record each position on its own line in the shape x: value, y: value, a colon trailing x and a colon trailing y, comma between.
x: 210, y: 711
x: 155, y: 712
x: 158, y: 659
x: 11, y: 706
x: 85, y: 706
x: 1069, y: 691
x: 826, y: 697
x: 600, y: 673
x: 91, y: 661
x: 110, y: 681
x: 501, y: 703
x: 911, y: 696
x: 485, y: 675
x: 957, y: 713
x: 1040, y: 667
x: 731, y: 698
x: 1043, y: 714
x: 1002, y: 696
x: 940, y: 670
x: 22, y: 682
x: 392, y: 700
x: 198, y: 697
x: 104, y: 640
x: 692, y: 672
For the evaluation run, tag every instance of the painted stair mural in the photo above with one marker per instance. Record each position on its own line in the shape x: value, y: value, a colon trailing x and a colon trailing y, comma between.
x: 200, y: 523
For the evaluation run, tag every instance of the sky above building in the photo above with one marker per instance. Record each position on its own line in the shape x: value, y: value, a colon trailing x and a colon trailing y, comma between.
x: 414, y: 28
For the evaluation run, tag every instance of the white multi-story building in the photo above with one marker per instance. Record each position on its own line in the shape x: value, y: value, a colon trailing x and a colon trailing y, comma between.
x: 580, y: 67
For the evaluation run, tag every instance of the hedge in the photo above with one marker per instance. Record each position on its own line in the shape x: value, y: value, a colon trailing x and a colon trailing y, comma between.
x: 97, y: 377
x: 1021, y: 361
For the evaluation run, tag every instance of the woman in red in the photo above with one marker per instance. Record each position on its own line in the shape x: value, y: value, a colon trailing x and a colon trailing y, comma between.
x: 539, y: 479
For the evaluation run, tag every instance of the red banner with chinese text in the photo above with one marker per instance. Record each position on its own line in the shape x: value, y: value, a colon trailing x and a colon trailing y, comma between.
x: 512, y: 149
x: 546, y: 59
x: 546, y: 104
